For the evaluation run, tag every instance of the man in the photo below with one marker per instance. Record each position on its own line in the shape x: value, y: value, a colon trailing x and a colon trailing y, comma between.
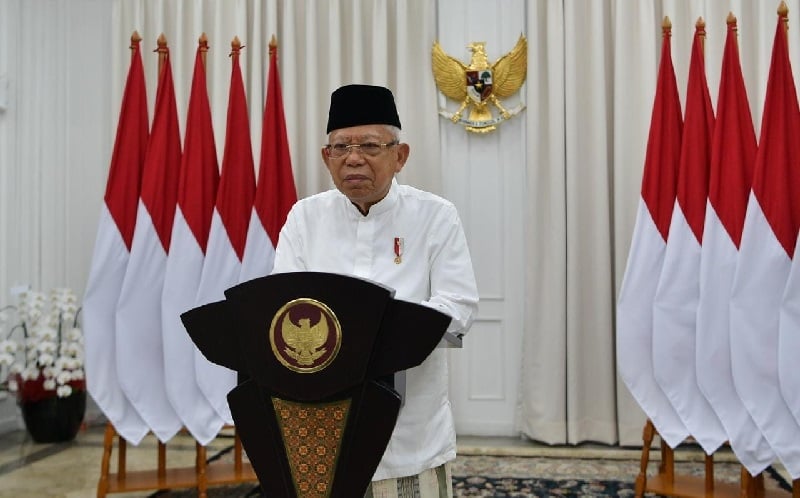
x: 407, y: 239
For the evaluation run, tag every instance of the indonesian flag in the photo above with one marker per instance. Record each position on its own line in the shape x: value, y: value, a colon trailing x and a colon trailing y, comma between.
x: 677, y: 293
x: 226, y: 240
x: 275, y: 191
x: 765, y: 258
x: 197, y: 190
x: 733, y: 153
x: 789, y: 338
x: 646, y: 256
x: 140, y: 352
x: 111, y: 254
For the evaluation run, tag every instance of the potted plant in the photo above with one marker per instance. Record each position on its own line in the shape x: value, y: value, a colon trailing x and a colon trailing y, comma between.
x: 41, y: 355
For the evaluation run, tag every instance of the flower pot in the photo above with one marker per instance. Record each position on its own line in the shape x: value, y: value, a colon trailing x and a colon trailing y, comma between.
x: 54, y: 419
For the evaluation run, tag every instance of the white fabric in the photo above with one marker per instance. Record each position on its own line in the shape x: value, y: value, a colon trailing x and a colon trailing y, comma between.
x: 140, y: 351
x: 424, y: 485
x: 221, y: 270
x: 789, y: 338
x: 758, y: 284
x: 325, y: 232
x: 57, y: 132
x: 109, y: 261
x: 713, y: 346
x: 635, y: 328
x: 542, y: 412
x: 634, y: 90
x: 258, y: 252
x: 674, y: 326
x: 182, y: 272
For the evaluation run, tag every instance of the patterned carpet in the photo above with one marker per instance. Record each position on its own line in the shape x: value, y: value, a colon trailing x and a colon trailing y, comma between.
x: 525, y: 477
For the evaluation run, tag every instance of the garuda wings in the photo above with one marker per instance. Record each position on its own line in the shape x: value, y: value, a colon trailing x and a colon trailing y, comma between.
x: 479, y: 84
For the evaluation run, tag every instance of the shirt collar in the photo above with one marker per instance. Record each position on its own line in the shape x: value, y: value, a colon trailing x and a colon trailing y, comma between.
x: 382, y: 206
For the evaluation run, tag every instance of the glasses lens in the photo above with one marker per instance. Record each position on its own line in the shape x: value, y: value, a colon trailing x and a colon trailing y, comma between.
x: 367, y: 149
x: 337, y: 150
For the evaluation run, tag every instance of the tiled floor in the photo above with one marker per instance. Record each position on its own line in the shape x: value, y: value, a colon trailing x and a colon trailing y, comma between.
x: 72, y: 470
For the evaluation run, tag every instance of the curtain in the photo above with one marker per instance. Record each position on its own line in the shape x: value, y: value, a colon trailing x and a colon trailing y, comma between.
x: 573, y: 158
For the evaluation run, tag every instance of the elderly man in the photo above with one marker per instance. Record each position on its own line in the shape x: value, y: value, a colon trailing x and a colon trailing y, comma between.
x: 372, y: 227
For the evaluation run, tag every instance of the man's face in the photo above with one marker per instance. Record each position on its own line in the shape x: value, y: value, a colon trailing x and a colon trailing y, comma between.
x: 365, y: 179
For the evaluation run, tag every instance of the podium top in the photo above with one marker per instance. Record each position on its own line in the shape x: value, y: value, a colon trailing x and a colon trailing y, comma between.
x: 303, y: 335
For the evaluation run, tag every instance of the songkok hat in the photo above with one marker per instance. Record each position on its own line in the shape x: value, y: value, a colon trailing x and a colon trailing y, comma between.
x: 355, y: 105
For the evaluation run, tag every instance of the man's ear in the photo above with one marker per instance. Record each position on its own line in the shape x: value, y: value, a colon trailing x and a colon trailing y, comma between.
x: 402, y: 151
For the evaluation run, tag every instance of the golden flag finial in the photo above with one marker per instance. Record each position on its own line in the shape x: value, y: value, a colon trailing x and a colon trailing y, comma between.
x: 700, y: 24
x: 273, y: 45
x: 202, y: 42
x: 783, y: 9
x: 162, y: 51
x: 236, y: 46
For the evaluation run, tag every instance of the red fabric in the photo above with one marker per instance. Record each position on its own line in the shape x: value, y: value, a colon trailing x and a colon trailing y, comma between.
x: 163, y: 159
x: 659, y: 179
x: 698, y: 128
x: 127, y: 160
x: 199, y: 174
x: 734, y: 144
x: 237, y: 182
x: 275, y: 192
x: 776, y: 178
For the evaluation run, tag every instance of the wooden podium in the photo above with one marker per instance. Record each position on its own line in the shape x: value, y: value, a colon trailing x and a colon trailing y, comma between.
x: 316, y: 355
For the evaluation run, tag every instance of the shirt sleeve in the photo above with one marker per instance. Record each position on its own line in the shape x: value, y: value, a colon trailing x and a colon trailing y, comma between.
x: 452, y: 279
x: 288, y: 253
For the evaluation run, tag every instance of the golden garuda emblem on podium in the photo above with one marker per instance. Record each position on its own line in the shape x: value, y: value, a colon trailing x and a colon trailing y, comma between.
x: 480, y: 85
x: 305, y: 335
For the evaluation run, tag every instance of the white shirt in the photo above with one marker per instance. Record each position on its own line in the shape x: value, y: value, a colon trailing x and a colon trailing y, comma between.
x: 327, y: 233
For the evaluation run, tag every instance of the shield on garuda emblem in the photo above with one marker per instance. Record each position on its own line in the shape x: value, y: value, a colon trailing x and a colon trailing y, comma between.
x: 479, y: 85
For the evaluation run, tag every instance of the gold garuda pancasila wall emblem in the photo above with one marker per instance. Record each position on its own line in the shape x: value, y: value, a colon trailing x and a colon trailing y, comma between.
x: 480, y: 84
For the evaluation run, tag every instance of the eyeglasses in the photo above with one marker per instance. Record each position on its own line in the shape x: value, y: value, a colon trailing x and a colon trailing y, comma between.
x: 366, y: 149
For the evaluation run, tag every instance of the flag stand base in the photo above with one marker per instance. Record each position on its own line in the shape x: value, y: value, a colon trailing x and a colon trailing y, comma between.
x: 201, y: 476
x: 668, y: 484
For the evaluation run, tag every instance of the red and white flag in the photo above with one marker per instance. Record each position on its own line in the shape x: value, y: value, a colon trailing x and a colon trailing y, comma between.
x: 789, y: 331
x: 678, y: 290
x: 226, y: 240
x: 139, y: 352
x: 768, y: 239
x: 733, y: 153
x: 275, y: 190
x: 111, y: 254
x: 197, y: 190
x: 646, y: 256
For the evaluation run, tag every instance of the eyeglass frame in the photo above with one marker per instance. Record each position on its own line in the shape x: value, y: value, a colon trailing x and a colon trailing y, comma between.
x: 346, y: 149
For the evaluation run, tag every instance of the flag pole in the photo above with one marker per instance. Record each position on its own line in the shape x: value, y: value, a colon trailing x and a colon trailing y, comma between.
x: 135, y: 39
x: 203, y: 42
x: 783, y: 13
x: 162, y: 51
x: 236, y: 47
x: 700, y: 32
